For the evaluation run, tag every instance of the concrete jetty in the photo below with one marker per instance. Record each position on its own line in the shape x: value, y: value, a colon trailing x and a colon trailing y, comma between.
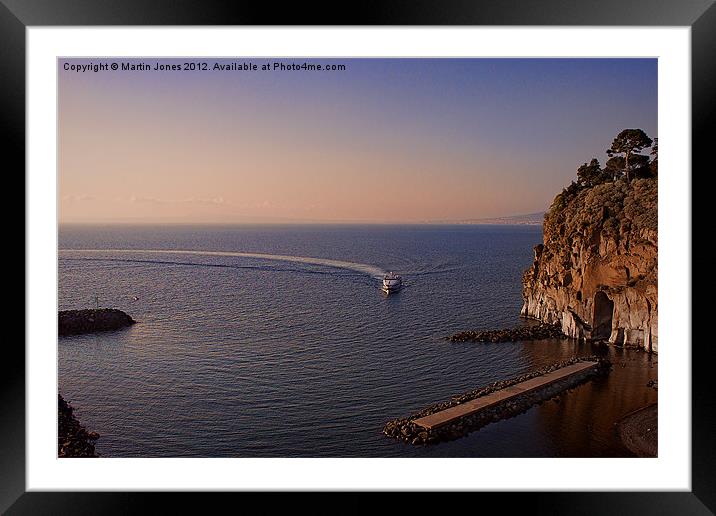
x: 470, y: 411
x: 451, y: 414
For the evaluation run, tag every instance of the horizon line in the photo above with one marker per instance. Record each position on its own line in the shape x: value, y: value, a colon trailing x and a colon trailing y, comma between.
x: 291, y: 223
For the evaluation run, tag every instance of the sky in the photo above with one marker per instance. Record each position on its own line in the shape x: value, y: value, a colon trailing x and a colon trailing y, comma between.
x: 380, y: 141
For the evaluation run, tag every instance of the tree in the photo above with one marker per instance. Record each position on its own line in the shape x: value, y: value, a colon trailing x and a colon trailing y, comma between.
x: 628, y: 143
x: 614, y: 167
x: 639, y: 166
x: 590, y: 174
x: 654, y: 165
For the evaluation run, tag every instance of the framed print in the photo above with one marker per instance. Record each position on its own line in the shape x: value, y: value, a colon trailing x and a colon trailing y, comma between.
x: 423, y: 252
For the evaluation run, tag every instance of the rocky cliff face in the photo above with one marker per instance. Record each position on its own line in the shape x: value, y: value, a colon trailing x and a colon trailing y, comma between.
x: 596, y: 272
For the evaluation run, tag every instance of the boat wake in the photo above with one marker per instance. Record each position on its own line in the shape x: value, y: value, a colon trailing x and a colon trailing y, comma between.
x: 370, y: 270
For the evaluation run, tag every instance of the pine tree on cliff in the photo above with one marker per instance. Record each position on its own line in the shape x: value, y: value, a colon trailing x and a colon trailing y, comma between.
x: 590, y: 174
x: 654, y: 165
x: 614, y: 167
x: 629, y: 143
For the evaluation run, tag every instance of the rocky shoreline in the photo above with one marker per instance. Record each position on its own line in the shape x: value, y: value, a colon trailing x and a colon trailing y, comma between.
x: 522, y: 333
x: 73, y: 440
x: 640, y: 433
x: 405, y: 430
x: 77, y: 322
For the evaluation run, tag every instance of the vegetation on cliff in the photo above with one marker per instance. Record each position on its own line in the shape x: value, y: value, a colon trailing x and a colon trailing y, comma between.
x: 606, y: 199
x: 596, y: 272
x: 619, y: 169
x: 623, y: 211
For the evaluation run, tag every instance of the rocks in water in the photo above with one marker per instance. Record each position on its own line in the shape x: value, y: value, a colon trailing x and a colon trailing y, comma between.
x: 76, y: 322
x: 532, y: 332
x: 73, y: 440
x: 639, y: 431
x: 405, y: 430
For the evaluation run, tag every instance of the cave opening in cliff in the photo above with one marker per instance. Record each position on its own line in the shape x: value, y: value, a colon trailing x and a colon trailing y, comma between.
x: 603, y: 313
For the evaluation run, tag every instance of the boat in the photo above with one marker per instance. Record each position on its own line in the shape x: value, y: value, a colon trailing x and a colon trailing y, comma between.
x: 392, y: 282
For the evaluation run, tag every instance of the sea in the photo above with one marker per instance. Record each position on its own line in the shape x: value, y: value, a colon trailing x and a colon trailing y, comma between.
x: 277, y: 341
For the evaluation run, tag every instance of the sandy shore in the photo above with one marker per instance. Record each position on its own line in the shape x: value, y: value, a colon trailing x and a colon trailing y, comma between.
x: 639, y: 431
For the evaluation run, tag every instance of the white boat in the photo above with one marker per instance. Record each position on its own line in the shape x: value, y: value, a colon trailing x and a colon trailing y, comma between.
x: 392, y: 282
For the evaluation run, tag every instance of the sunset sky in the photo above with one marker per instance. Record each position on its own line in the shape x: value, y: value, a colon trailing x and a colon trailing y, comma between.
x: 385, y: 140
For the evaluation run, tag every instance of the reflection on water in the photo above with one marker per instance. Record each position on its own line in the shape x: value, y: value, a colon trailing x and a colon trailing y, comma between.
x: 583, y: 419
x: 580, y: 422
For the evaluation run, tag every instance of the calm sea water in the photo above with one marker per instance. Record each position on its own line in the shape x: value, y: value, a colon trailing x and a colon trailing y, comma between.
x: 300, y: 354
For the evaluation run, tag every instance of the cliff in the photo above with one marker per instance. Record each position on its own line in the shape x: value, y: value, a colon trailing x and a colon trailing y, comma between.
x: 595, y: 275
x: 75, y: 322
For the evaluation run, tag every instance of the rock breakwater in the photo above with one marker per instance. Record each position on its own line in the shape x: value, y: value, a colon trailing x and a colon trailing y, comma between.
x: 73, y: 440
x: 406, y: 430
x: 534, y: 332
x: 76, y: 322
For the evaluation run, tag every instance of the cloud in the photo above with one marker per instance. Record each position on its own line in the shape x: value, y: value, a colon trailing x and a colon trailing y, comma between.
x: 134, y: 199
x: 77, y: 198
x: 213, y: 201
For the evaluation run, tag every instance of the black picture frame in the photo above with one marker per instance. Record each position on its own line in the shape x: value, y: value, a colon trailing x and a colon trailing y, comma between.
x: 700, y: 15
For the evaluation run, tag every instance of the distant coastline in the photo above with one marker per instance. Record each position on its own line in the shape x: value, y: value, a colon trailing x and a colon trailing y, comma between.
x: 529, y: 219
